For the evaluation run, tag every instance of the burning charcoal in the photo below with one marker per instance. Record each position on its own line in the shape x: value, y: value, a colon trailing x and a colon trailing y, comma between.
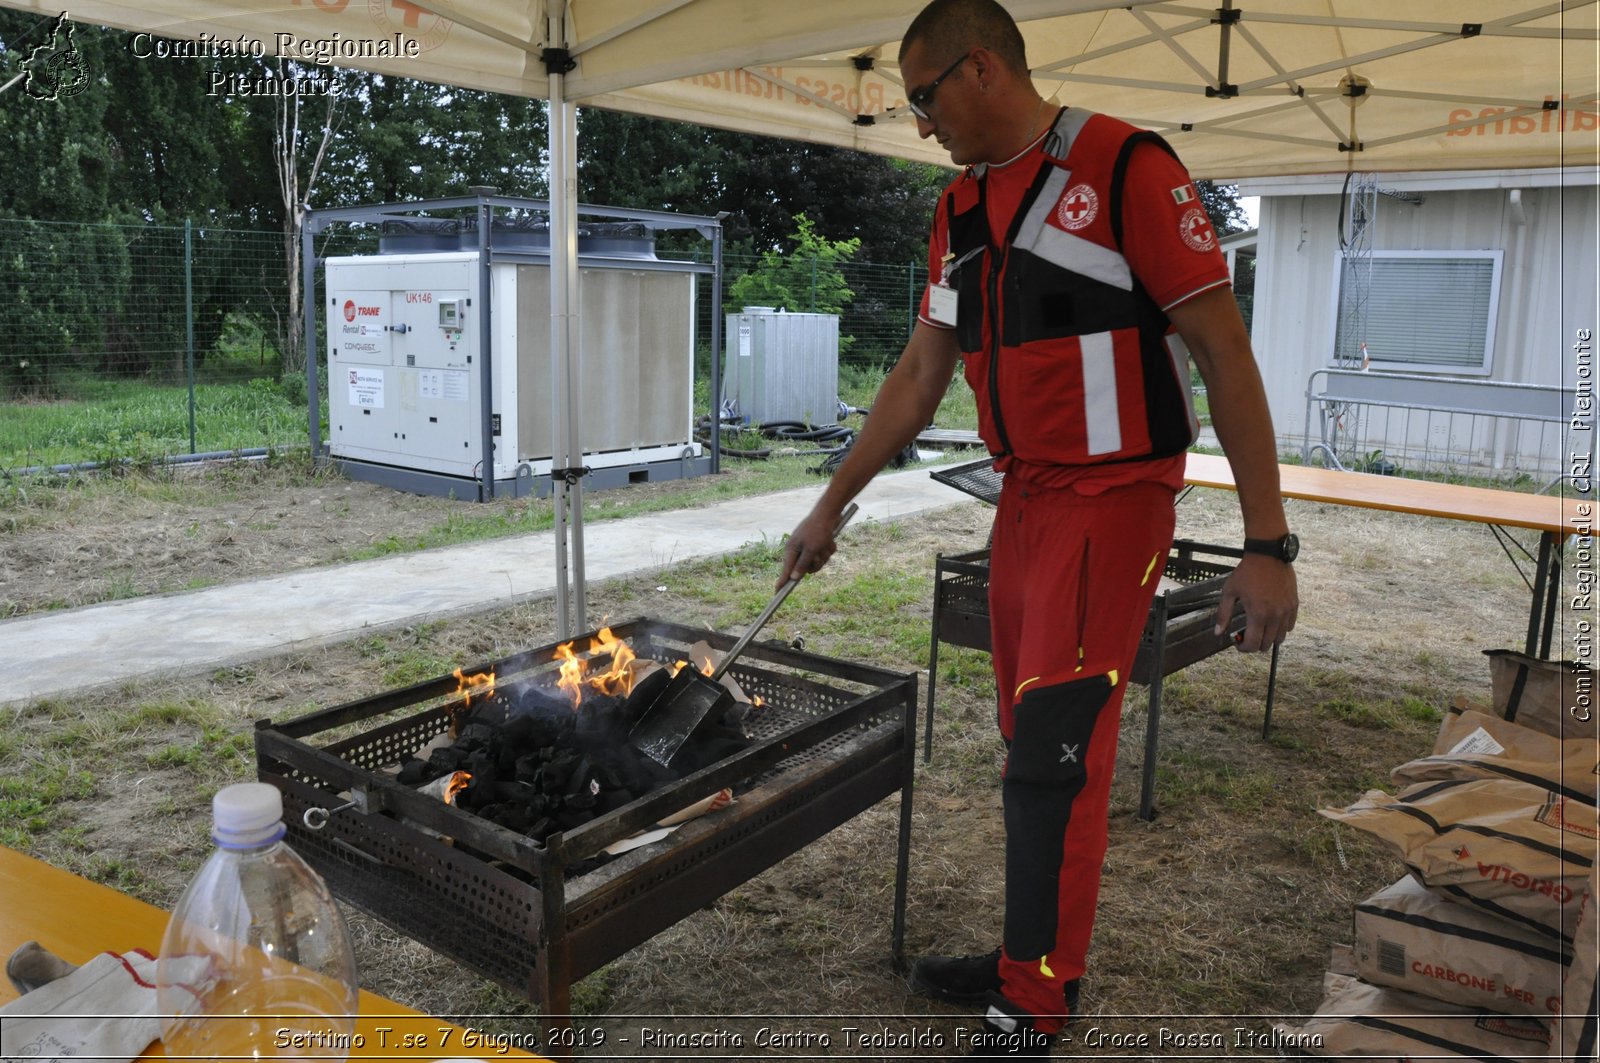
x: 480, y: 791
x: 517, y: 792
x: 607, y: 775
x: 517, y: 731
x: 415, y: 772
x: 529, y: 699
x: 530, y: 766
x: 477, y: 735
x: 450, y: 758
x: 582, y: 780
x: 552, y: 731
x: 558, y: 773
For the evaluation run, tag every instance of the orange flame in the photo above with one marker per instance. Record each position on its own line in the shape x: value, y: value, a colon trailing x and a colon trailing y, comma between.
x: 571, y: 679
x: 458, y: 782
x: 616, y: 680
x: 469, y: 683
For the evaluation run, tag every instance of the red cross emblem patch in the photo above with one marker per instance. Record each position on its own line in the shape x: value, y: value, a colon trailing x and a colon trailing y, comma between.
x: 1077, y: 208
x: 1195, y: 228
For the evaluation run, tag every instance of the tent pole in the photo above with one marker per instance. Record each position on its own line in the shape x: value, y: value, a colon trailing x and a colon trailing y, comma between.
x: 566, y: 449
x: 574, y: 389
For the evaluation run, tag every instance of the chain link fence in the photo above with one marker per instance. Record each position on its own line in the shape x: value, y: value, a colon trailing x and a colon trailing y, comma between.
x: 140, y: 342
x: 876, y: 322
x: 144, y: 342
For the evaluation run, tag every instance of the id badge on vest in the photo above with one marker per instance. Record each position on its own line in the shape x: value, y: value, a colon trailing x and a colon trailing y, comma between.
x: 942, y: 304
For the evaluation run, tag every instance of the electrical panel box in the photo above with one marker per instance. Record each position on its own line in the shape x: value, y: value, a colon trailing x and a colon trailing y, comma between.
x: 782, y: 366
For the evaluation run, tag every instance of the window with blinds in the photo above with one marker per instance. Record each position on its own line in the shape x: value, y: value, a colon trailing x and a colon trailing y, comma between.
x: 1423, y: 310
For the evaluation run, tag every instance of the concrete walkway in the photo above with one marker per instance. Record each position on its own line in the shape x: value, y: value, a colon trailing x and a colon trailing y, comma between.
x: 195, y: 631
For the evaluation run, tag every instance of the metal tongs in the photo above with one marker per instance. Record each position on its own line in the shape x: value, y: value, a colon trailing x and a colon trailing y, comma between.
x: 691, y: 698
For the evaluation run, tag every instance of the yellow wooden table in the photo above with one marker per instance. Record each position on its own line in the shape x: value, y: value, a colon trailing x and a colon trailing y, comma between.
x: 1554, y: 517
x: 77, y: 919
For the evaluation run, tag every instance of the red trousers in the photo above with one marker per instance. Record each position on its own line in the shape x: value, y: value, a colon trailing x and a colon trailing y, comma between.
x: 1070, y: 585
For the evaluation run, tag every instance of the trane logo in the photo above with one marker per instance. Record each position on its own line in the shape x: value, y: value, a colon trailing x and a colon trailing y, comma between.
x: 351, y: 310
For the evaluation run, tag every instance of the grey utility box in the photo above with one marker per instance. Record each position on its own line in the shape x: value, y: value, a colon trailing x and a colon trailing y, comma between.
x: 782, y: 366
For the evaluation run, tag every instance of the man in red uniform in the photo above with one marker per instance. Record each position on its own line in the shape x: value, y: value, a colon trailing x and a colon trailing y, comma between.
x: 1074, y: 273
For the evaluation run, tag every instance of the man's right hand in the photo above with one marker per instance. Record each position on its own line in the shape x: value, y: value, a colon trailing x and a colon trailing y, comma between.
x: 810, y: 545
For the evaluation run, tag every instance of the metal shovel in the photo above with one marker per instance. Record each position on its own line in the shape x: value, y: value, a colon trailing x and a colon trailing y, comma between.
x: 692, y: 698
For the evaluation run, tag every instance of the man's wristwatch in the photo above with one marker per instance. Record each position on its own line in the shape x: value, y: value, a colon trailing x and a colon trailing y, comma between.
x: 1285, y: 548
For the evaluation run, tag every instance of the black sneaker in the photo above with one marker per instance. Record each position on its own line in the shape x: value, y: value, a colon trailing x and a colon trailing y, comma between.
x: 969, y: 980
x: 1008, y: 1033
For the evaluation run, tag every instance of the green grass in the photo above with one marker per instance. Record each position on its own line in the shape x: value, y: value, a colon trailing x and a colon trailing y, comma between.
x: 31, y: 800
x: 1183, y: 777
x: 100, y: 420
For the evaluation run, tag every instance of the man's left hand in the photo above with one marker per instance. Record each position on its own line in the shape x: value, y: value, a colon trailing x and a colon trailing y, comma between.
x: 1266, y: 588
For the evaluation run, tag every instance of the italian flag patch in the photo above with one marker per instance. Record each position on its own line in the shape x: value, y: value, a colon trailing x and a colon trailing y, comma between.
x: 1183, y: 194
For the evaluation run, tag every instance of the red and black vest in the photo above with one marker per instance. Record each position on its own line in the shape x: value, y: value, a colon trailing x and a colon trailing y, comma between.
x: 1070, y: 357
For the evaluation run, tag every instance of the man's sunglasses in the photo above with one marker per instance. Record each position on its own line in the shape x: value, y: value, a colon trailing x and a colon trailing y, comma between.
x: 920, y: 100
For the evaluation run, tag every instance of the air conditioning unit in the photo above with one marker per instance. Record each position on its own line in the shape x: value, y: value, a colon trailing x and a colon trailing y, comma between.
x: 406, y: 355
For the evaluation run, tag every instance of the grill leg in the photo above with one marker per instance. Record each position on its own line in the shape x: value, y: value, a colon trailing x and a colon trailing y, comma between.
x: 552, y: 973
x: 902, y: 864
x: 1152, y: 716
x: 933, y: 680
x: 1272, y: 686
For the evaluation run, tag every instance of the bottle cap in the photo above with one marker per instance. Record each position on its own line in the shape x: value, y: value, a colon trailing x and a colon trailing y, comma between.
x: 246, y: 815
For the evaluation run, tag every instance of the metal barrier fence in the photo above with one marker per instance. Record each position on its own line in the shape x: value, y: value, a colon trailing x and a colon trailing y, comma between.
x: 147, y: 341
x: 1430, y: 425
x: 139, y: 341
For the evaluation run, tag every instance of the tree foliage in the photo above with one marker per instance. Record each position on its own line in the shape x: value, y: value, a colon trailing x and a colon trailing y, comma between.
x: 808, y: 278
x: 151, y: 142
x: 761, y: 182
x: 1222, y: 205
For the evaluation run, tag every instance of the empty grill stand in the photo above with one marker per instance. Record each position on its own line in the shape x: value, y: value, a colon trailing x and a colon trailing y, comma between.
x: 1178, y: 632
x: 832, y: 740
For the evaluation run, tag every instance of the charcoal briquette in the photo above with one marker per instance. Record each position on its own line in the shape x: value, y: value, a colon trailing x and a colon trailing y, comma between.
x: 415, y: 772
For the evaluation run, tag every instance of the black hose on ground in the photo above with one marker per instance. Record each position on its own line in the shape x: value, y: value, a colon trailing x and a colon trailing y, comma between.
x: 781, y: 431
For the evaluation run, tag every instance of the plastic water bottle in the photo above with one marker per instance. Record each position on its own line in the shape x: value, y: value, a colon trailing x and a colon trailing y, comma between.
x: 256, y: 961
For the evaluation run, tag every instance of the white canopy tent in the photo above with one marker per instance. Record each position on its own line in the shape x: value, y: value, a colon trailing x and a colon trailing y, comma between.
x: 1253, y: 88
x: 1250, y: 88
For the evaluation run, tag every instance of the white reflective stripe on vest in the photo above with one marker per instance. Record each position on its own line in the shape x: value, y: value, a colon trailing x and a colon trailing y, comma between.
x: 1058, y: 247
x: 1101, y: 418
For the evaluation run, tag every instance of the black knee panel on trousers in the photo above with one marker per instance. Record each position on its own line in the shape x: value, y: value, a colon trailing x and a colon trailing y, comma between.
x: 1044, y: 775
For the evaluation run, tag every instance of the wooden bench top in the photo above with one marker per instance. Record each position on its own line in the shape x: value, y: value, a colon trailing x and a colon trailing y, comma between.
x: 1484, y: 505
x: 78, y: 919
